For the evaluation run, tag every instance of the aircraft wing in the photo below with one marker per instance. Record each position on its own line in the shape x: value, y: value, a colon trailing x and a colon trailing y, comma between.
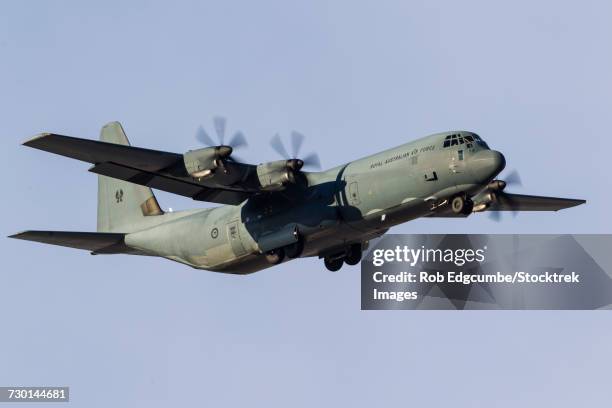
x: 156, y: 169
x: 517, y: 202
x: 520, y: 202
x: 96, y: 242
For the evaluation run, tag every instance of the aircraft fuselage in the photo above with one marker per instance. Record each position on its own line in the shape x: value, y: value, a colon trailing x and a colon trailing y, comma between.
x: 337, y: 208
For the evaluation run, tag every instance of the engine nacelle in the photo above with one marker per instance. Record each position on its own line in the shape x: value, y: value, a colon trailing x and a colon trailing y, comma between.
x: 202, y: 163
x: 497, y: 185
x: 483, y: 200
x: 276, y: 175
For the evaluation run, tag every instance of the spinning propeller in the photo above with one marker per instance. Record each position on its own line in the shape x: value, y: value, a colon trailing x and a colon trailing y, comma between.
x: 512, y: 179
x: 237, y: 140
x: 297, y: 139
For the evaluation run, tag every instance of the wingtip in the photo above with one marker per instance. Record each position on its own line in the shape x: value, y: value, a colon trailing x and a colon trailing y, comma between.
x: 576, y: 202
x: 17, y: 235
x: 36, y: 138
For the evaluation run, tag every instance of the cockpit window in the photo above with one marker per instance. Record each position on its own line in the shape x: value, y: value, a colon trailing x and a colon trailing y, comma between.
x: 453, y: 140
x: 480, y: 142
x: 458, y: 139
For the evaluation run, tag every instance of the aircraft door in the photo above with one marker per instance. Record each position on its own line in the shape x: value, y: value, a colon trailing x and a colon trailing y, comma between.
x: 353, y: 197
x: 233, y: 235
x: 456, y: 161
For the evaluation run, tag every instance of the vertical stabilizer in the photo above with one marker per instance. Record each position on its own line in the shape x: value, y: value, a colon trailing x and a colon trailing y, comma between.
x: 122, y: 206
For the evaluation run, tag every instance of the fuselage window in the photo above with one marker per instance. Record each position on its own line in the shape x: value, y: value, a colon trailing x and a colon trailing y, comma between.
x: 460, y: 154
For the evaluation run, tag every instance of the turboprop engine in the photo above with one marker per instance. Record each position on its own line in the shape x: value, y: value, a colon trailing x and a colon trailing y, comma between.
x: 488, y: 196
x: 276, y: 175
x: 202, y: 163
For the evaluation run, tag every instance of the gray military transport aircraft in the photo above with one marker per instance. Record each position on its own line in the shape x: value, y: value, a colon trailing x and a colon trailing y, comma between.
x: 276, y: 211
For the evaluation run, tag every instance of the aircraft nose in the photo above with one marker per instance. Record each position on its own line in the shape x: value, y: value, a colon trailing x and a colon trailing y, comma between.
x: 487, y: 164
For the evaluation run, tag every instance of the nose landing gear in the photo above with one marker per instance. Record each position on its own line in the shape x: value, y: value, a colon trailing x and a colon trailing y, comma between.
x: 462, y: 205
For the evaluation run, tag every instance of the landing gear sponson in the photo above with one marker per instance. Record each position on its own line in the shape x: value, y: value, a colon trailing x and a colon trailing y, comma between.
x: 333, y: 262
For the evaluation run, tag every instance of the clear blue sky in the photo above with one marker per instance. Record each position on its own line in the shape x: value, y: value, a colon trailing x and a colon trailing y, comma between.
x: 532, y: 78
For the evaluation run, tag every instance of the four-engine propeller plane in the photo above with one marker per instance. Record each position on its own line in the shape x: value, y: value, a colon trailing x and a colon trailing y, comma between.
x: 275, y: 211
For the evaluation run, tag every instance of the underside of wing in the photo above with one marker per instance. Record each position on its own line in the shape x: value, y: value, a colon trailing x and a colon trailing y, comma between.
x: 152, y: 168
x: 520, y: 202
x: 514, y: 203
x: 161, y: 181
x: 96, y: 242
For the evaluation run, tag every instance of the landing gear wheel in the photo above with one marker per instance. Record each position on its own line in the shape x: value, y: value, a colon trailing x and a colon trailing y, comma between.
x: 295, y: 250
x: 353, y: 255
x: 275, y: 256
x: 333, y: 265
x: 462, y: 205
x: 469, y: 206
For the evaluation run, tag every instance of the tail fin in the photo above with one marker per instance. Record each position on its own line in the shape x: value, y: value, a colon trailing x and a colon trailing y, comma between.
x: 122, y: 206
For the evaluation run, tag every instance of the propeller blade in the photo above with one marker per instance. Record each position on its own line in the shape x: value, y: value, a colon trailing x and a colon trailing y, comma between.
x: 513, y: 178
x: 509, y: 202
x: 278, y: 146
x: 312, y: 160
x: 203, y: 137
x: 296, y: 143
x: 512, y: 204
x: 220, y: 128
x: 238, y: 140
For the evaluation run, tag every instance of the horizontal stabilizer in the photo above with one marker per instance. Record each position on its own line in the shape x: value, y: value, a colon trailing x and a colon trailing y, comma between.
x: 96, y: 242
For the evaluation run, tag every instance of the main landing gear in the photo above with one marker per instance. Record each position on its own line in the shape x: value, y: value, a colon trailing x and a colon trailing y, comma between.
x: 333, y: 264
x: 462, y: 205
x: 351, y: 256
x: 275, y: 256
x: 294, y: 250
